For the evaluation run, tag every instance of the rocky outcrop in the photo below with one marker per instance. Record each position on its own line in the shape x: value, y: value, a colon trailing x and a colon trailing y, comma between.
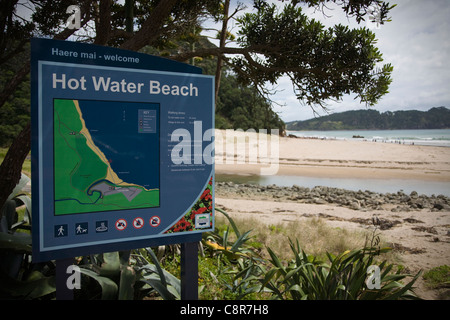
x: 356, y: 200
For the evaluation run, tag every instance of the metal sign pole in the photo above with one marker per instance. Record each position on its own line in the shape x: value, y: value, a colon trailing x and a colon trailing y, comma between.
x: 189, y: 274
x: 189, y: 271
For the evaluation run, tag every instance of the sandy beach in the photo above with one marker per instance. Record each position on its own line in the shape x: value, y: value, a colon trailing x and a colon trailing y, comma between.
x: 334, y: 158
x: 420, y: 233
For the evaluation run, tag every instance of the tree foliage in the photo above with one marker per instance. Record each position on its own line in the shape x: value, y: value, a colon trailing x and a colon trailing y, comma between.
x: 242, y: 107
x: 321, y: 63
x: 15, y: 113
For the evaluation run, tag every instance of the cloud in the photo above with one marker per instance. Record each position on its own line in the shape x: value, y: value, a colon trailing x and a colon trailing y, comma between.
x: 415, y: 42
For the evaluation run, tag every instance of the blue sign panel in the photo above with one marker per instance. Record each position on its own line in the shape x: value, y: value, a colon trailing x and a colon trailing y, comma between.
x: 122, y: 150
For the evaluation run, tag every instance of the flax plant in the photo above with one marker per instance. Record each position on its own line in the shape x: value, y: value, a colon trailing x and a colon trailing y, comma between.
x: 342, y: 277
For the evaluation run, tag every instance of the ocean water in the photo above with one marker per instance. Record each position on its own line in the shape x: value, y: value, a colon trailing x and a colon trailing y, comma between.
x: 430, y: 137
x: 132, y: 153
x: 438, y: 138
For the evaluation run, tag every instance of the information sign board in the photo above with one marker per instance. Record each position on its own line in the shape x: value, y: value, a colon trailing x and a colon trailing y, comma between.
x: 122, y: 150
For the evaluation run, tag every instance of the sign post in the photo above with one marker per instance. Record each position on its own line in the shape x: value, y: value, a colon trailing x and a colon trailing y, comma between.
x: 63, y: 292
x: 189, y: 271
x: 122, y: 150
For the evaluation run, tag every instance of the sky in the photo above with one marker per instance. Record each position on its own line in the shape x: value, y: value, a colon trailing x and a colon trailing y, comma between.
x: 416, y: 42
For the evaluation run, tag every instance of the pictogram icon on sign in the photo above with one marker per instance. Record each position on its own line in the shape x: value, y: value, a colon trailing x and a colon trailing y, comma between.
x: 155, y: 221
x: 121, y: 224
x: 60, y: 230
x: 81, y: 228
x: 101, y: 226
x: 138, y: 223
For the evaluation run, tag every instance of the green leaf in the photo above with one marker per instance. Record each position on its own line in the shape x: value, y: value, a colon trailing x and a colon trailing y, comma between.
x: 26, y: 200
x: 109, y: 287
x: 158, y: 267
x: 269, y: 275
x: 243, y: 238
x: 233, y: 225
x: 18, y: 243
x: 111, y: 265
x: 19, y: 187
x: 169, y: 279
x: 162, y: 289
x: 275, y: 261
x: 36, y: 286
x: 291, y: 273
x: 126, y: 287
x: 297, y: 288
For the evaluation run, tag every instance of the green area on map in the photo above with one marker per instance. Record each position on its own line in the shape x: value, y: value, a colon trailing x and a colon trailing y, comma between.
x: 83, y: 178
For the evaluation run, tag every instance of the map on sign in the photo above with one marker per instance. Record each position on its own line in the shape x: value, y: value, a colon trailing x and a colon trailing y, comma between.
x: 106, y: 156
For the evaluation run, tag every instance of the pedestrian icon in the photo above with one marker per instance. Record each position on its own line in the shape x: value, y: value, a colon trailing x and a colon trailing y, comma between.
x: 81, y: 228
x: 60, y: 230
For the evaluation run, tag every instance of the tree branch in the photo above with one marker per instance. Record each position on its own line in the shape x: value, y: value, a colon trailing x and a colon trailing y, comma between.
x: 152, y: 27
x: 103, y: 26
x: 223, y: 37
x: 10, y: 169
x: 208, y: 52
x: 25, y: 69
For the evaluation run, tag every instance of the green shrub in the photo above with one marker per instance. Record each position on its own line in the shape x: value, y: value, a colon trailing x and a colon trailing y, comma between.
x: 342, y: 277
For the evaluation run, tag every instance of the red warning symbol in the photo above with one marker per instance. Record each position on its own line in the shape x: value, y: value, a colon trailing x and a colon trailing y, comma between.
x: 155, y: 221
x: 138, y: 223
x: 121, y: 224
